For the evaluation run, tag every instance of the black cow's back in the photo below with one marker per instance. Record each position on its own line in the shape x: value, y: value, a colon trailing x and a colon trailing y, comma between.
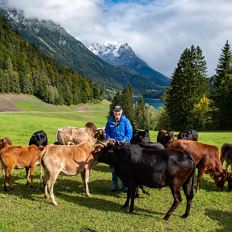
x: 148, y: 166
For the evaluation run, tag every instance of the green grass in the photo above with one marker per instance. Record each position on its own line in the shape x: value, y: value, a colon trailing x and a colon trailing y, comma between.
x: 25, y: 209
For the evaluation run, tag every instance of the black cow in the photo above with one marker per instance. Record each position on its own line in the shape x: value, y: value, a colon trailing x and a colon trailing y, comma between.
x: 154, y: 168
x: 188, y: 135
x: 165, y: 136
x: 140, y: 136
x: 226, y: 155
x: 39, y: 138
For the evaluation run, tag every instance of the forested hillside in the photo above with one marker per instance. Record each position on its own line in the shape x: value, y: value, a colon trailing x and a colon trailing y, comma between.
x: 67, y: 50
x: 26, y: 69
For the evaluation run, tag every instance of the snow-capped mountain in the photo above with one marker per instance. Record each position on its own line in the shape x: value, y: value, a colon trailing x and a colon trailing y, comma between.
x: 121, y: 54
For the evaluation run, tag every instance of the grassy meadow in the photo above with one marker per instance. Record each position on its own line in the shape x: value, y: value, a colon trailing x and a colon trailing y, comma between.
x: 25, y: 209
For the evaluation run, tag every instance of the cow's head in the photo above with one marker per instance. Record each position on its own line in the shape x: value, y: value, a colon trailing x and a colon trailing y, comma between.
x: 39, y: 138
x: 100, y: 134
x: 5, y: 142
x: 140, y: 136
x: 220, y: 178
x: 165, y: 137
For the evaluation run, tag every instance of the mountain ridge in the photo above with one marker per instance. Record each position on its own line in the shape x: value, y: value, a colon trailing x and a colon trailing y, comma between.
x: 68, y: 51
x: 121, y: 54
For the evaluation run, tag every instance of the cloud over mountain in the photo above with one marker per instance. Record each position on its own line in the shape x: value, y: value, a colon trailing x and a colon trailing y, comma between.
x: 158, y: 30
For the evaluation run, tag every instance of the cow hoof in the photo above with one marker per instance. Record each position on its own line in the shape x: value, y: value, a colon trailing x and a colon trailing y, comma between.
x: 166, y: 217
x: 184, y: 216
x: 54, y: 203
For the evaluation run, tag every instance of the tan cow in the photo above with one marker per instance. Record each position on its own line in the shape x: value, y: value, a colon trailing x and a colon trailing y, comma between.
x: 19, y: 157
x: 69, y: 160
x: 207, y: 160
x: 73, y: 135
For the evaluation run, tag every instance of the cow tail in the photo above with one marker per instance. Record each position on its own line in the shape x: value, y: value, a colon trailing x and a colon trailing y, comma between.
x: 221, y: 155
x: 2, y: 165
x: 192, y: 174
x: 41, y: 163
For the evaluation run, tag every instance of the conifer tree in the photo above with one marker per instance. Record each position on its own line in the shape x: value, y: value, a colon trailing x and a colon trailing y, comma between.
x: 127, y: 102
x: 222, y: 88
x: 188, y: 86
x: 139, y: 114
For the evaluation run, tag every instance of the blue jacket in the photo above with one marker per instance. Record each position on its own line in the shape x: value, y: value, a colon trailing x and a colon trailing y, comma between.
x: 122, y: 131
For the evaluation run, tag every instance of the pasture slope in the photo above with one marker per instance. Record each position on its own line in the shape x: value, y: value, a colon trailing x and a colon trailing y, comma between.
x: 25, y: 209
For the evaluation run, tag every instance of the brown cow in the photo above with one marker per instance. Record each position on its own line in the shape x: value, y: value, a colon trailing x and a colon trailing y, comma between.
x: 19, y: 157
x: 206, y: 157
x: 67, y: 159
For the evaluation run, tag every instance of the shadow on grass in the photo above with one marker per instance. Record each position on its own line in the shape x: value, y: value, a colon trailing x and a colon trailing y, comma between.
x: 223, y: 219
x: 103, y: 204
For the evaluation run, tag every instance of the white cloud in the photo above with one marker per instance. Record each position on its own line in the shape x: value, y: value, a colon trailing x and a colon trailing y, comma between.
x: 157, y: 30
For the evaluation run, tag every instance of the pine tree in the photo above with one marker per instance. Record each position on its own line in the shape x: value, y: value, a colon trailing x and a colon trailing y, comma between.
x: 127, y: 102
x: 187, y: 87
x: 222, y: 88
x: 139, y: 114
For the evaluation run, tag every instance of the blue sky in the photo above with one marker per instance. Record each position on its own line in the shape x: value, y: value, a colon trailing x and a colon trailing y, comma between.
x: 157, y: 30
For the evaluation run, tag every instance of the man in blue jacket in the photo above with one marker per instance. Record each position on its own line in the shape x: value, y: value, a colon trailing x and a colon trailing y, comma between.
x: 118, y: 128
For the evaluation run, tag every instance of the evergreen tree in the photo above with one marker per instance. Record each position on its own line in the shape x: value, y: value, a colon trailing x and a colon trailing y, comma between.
x: 127, y: 102
x: 187, y: 87
x: 222, y: 89
x: 139, y: 114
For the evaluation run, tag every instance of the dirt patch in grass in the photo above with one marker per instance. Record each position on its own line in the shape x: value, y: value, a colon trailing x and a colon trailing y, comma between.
x: 7, y: 102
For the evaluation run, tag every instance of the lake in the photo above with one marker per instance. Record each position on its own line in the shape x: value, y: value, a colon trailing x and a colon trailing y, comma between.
x: 155, y: 102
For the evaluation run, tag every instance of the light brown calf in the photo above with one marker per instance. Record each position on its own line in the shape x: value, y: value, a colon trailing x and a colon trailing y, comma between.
x: 19, y: 157
x: 69, y: 160
x: 207, y: 160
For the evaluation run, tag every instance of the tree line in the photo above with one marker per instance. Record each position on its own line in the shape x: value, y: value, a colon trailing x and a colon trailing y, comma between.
x: 193, y: 100
x: 26, y: 69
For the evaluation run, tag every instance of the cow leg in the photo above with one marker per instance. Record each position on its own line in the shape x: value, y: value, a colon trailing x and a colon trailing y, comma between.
x: 177, y: 198
x: 6, y: 180
x: 132, y: 197
x: 45, y: 180
x: 137, y: 192
x: 50, y: 185
x: 188, y: 188
x: 199, y: 177
x: 32, y: 168
x: 8, y: 174
x: 126, y: 204
x: 27, y: 175
x: 85, y: 179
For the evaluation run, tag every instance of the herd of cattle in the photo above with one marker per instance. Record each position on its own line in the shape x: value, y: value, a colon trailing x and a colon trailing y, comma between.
x: 167, y: 162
